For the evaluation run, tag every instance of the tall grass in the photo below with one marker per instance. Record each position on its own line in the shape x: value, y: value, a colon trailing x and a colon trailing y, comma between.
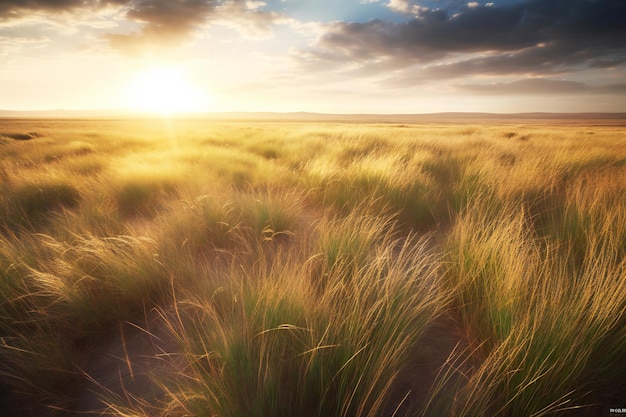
x: 59, y: 298
x: 544, y: 299
x: 30, y: 204
x: 263, y: 342
x: 313, y: 270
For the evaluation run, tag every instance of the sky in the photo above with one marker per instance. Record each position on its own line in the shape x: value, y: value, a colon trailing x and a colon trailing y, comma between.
x: 329, y: 56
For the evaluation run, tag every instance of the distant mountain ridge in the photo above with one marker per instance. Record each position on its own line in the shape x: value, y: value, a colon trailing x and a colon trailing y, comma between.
x: 617, y: 118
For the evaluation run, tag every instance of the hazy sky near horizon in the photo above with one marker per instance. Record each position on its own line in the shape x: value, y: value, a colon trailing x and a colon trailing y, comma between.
x: 338, y: 56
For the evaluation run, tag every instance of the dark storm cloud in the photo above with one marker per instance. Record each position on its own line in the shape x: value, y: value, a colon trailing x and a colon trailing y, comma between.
x: 434, y: 34
x: 542, y: 86
x: 533, y: 61
x: 537, y: 36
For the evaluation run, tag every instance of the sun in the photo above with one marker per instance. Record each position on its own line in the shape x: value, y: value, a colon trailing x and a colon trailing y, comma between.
x: 166, y: 90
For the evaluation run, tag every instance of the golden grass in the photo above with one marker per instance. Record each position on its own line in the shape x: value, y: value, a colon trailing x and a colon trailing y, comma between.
x: 316, y: 269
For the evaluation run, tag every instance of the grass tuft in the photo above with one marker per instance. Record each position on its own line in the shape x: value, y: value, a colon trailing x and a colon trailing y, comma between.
x: 30, y: 204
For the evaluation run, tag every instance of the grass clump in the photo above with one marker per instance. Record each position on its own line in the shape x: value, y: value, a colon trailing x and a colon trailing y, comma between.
x: 31, y: 203
x: 536, y: 321
x: 59, y: 298
x: 21, y: 136
x: 272, y: 347
x: 142, y: 195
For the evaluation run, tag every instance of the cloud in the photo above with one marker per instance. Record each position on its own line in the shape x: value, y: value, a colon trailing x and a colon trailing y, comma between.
x: 430, y: 36
x: 532, y: 61
x: 15, y: 9
x: 535, y: 36
x: 406, y: 6
x: 539, y: 86
x: 247, y: 17
x: 9, y: 46
x: 163, y: 23
x: 168, y: 22
x: 402, y: 6
x: 417, y: 7
x: 12, y: 9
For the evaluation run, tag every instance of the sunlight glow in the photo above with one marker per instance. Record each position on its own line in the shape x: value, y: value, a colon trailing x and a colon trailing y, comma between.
x: 166, y: 90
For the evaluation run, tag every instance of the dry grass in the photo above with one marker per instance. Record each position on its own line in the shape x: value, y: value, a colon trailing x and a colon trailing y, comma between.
x: 313, y: 269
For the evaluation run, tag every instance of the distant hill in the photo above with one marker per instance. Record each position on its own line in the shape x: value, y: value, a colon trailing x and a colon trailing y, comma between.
x: 450, y: 117
x: 63, y: 114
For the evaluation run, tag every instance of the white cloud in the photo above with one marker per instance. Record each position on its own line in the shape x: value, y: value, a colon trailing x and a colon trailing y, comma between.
x: 473, y: 4
x: 255, y: 4
x: 405, y: 6
x: 402, y: 6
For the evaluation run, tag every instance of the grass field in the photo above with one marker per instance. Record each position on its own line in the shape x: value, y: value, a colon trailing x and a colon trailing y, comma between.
x: 222, y: 268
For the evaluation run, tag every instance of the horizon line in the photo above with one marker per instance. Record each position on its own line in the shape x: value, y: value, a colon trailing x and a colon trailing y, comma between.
x: 301, y: 112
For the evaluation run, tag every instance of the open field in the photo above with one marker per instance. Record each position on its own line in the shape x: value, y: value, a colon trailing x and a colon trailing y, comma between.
x: 225, y: 268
